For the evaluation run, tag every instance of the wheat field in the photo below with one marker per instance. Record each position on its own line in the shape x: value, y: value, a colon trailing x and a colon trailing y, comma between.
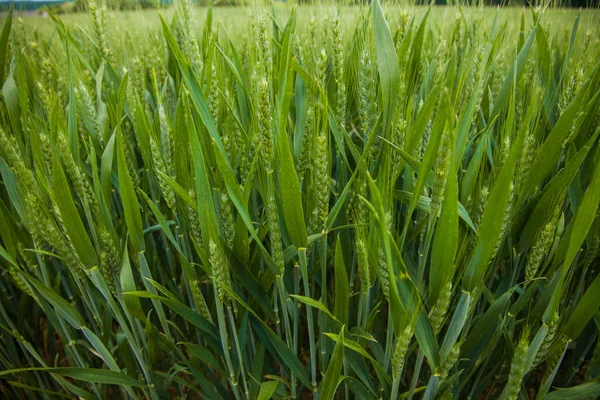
x: 273, y: 202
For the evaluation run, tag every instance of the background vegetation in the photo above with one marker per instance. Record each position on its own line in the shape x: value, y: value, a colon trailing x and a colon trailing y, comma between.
x: 65, y: 6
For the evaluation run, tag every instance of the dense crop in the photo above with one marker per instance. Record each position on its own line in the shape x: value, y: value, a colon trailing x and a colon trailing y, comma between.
x: 357, y: 202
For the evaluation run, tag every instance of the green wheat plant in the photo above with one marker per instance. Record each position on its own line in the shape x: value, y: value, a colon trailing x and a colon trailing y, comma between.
x: 331, y: 202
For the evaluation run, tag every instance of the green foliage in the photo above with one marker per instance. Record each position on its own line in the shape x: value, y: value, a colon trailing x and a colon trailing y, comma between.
x: 366, y: 202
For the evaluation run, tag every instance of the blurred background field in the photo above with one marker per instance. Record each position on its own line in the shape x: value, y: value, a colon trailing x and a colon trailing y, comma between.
x: 237, y: 18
